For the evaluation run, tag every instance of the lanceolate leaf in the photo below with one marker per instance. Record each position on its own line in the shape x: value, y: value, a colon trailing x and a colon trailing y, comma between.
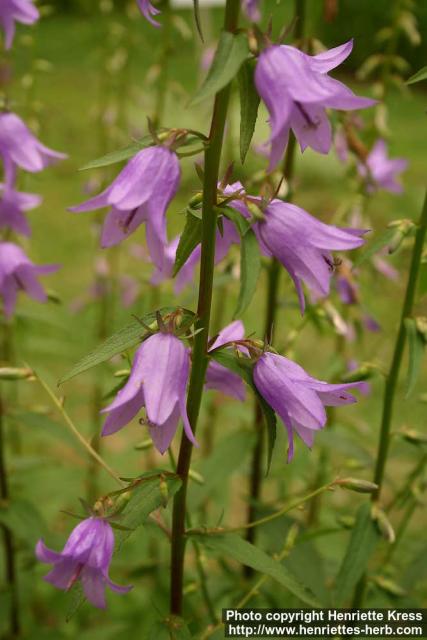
x: 417, y: 77
x: 196, y: 6
x: 234, y: 546
x: 188, y: 241
x: 231, y: 52
x: 243, y: 368
x: 249, y: 103
x: 416, y: 351
x: 363, y: 540
x: 250, y: 267
x: 121, y: 154
x: 123, y: 339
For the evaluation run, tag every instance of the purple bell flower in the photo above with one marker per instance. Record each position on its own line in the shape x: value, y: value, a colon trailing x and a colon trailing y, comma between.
x: 85, y: 557
x: 148, y: 10
x: 298, y: 398
x: 251, y: 9
x: 141, y: 193
x: 302, y: 244
x: 296, y: 90
x: 12, y: 11
x: 217, y: 376
x: 158, y: 382
x: 17, y: 272
x: 381, y: 171
x: 19, y: 147
x: 12, y: 206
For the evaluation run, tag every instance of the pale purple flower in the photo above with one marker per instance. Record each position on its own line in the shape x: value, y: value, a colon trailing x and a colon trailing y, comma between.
x: 141, y: 193
x: 12, y: 11
x: 13, y: 204
x: 19, y: 147
x: 385, y: 268
x: 296, y: 397
x: 17, y: 272
x: 346, y: 284
x: 302, y: 244
x: 296, y: 90
x: 251, y: 9
x: 158, y: 382
x: 86, y: 557
x: 371, y: 324
x: 217, y: 376
x: 148, y: 10
x: 381, y: 171
x: 185, y: 275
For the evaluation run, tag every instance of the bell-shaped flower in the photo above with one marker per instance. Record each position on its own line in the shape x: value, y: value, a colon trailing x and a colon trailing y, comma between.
x: 141, y: 193
x: 13, y: 204
x: 148, y: 11
x: 298, y: 398
x: 20, y: 147
x: 224, y: 239
x: 380, y: 171
x: 296, y: 90
x: 86, y: 557
x: 217, y: 376
x: 302, y: 244
x: 12, y: 11
x: 158, y: 382
x: 17, y: 272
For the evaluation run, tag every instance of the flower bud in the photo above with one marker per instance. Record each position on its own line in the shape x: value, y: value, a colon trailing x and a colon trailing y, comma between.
x: 16, y: 373
x: 358, y: 485
x: 383, y: 524
x: 197, y: 477
x: 413, y: 436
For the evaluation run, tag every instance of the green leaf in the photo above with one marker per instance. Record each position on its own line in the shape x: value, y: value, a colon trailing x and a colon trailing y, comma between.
x: 243, y: 368
x: 231, y: 52
x: 379, y: 243
x: 245, y: 553
x: 121, y: 154
x: 418, y: 76
x: 250, y: 267
x: 123, y: 339
x: 24, y: 520
x: 145, y: 498
x: 416, y: 352
x: 172, y: 628
x: 196, y: 6
x: 190, y: 238
x: 249, y: 103
x: 363, y: 540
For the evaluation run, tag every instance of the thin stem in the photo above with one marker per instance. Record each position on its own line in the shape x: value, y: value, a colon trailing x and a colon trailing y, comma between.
x: 164, y: 58
x: 198, y: 370
x: 277, y: 514
x: 77, y: 433
x: 392, y: 379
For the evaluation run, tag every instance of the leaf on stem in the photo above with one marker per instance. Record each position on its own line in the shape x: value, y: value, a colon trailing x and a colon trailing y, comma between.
x: 121, y: 154
x: 231, y: 52
x: 421, y: 74
x: 363, y: 540
x: 190, y: 238
x: 123, y: 339
x: 232, y: 545
x: 249, y: 103
x: 416, y: 346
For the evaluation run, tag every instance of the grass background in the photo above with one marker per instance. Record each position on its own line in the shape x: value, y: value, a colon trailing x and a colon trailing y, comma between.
x: 47, y: 468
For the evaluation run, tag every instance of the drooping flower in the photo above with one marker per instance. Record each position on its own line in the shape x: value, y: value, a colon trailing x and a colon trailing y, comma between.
x: 217, y: 376
x: 380, y: 171
x: 298, y: 398
x: 12, y: 206
x: 86, y: 557
x: 251, y: 9
x: 346, y: 284
x: 12, y: 11
x: 141, y: 193
x: 158, y: 382
x: 296, y: 90
x: 148, y: 10
x: 19, y: 147
x: 224, y: 239
x: 17, y: 272
x: 302, y: 244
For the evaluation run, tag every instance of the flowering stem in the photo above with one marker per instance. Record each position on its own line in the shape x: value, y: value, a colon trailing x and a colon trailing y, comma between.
x: 198, y: 369
x: 392, y: 378
x: 164, y: 59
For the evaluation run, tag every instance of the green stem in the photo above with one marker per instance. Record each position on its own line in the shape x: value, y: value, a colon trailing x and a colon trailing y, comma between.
x: 200, y: 361
x: 392, y: 379
x: 164, y: 59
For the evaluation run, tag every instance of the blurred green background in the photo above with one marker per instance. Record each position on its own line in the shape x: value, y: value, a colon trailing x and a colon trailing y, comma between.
x: 85, y: 78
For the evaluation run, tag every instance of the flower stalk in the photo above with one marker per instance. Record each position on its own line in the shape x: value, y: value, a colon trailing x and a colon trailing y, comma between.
x: 200, y: 358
